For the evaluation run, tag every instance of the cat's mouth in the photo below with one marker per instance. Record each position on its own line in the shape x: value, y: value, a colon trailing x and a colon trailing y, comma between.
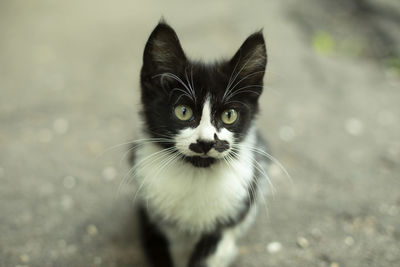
x: 201, y: 161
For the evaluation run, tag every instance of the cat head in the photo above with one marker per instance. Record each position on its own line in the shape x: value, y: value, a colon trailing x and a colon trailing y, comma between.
x: 202, y: 110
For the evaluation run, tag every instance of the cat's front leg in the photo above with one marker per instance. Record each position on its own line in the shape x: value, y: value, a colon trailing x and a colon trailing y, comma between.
x: 217, y: 249
x: 154, y: 242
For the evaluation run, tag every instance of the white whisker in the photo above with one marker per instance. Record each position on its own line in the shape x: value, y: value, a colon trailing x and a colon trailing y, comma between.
x: 175, y: 77
x: 143, y: 163
x: 270, y: 157
x: 170, y: 156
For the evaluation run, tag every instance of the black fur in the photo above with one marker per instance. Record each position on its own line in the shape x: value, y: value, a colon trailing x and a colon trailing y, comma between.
x: 206, y: 245
x: 200, y: 162
x: 154, y: 242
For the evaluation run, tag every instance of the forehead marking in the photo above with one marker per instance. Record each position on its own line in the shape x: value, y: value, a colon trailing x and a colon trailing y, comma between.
x: 206, y: 129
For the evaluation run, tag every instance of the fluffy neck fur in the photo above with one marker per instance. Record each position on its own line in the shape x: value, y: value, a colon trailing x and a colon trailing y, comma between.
x: 196, y: 199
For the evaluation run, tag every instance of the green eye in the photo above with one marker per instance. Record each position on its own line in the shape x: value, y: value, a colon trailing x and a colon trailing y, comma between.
x: 229, y: 116
x: 184, y: 113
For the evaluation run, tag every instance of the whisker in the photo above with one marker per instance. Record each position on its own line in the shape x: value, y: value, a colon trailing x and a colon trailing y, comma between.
x: 190, y: 86
x: 168, y: 161
x: 175, y: 77
x: 240, y: 90
x: 257, y: 185
x: 155, y: 141
x: 270, y: 157
x: 230, y: 78
x: 132, y: 171
x: 240, y: 102
x: 128, y: 143
x: 184, y: 93
x: 258, y: 167
x: 228, y: 160
x: 167, y: 155
x: 237, y: 74
x: 244, y: 78
x: 228, y: 90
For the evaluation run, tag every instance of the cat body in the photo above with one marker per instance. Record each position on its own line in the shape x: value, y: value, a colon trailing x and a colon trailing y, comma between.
x: 197, y: 168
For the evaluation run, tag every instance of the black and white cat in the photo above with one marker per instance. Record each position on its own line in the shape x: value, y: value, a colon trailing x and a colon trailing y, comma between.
x: 197, y: 168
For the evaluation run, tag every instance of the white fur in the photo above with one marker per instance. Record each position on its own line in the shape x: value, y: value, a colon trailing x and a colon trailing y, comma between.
x: 225, y: 252
x: 193, y: 197
x: 227, y: 248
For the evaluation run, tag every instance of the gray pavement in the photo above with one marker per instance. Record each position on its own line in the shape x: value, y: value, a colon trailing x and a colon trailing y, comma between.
x: 69, y: 94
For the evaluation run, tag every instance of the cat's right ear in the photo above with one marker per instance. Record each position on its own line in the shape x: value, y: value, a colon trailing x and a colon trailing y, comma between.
x: 163, y: 52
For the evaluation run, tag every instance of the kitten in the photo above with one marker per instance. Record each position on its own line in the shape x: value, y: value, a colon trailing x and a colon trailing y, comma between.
x: 198, y: 170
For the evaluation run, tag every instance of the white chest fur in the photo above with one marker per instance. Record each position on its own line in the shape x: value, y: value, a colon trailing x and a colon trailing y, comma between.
x: 194, y: 198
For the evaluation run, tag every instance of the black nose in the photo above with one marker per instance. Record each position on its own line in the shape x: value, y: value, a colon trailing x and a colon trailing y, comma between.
x: 201, y: 146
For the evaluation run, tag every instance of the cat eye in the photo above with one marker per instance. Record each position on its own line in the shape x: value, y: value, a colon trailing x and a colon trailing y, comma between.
x: 229, y: 116
x: 183, y: 112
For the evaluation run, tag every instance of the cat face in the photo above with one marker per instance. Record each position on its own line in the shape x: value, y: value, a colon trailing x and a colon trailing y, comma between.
x: 201, y: 110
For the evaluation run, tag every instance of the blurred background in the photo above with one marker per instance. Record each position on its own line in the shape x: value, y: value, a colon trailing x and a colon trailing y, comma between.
x: 69, y: 93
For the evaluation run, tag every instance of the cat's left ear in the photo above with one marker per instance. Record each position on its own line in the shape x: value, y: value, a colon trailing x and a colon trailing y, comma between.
x: 163, y: 51
x: 250, y: 61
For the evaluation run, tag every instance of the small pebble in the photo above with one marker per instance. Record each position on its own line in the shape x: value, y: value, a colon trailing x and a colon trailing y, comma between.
x: 274, y: 247
x: 354, y: 126
x: 302, y: 242
x: 109, y: 173
x: 334, y: 264
x: 60, y: 126
x: 286, y: 133
x: 349, y: 241
x: 69, y: 182
x: 24, y: 258
x: 92, y: 230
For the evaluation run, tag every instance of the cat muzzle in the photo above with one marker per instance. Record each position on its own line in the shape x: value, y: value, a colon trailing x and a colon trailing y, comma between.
x: 203, y: 146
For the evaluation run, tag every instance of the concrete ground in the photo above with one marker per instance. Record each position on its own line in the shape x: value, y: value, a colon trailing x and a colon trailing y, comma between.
x: 69, y: 94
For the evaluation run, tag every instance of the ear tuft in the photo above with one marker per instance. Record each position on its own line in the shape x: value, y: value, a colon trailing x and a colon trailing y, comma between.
x: 251, y: 58
x: 163, y: 51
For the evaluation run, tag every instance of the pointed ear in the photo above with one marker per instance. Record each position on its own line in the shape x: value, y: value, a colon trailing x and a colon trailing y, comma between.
x: 250, y: 60
x: 163, y: 51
